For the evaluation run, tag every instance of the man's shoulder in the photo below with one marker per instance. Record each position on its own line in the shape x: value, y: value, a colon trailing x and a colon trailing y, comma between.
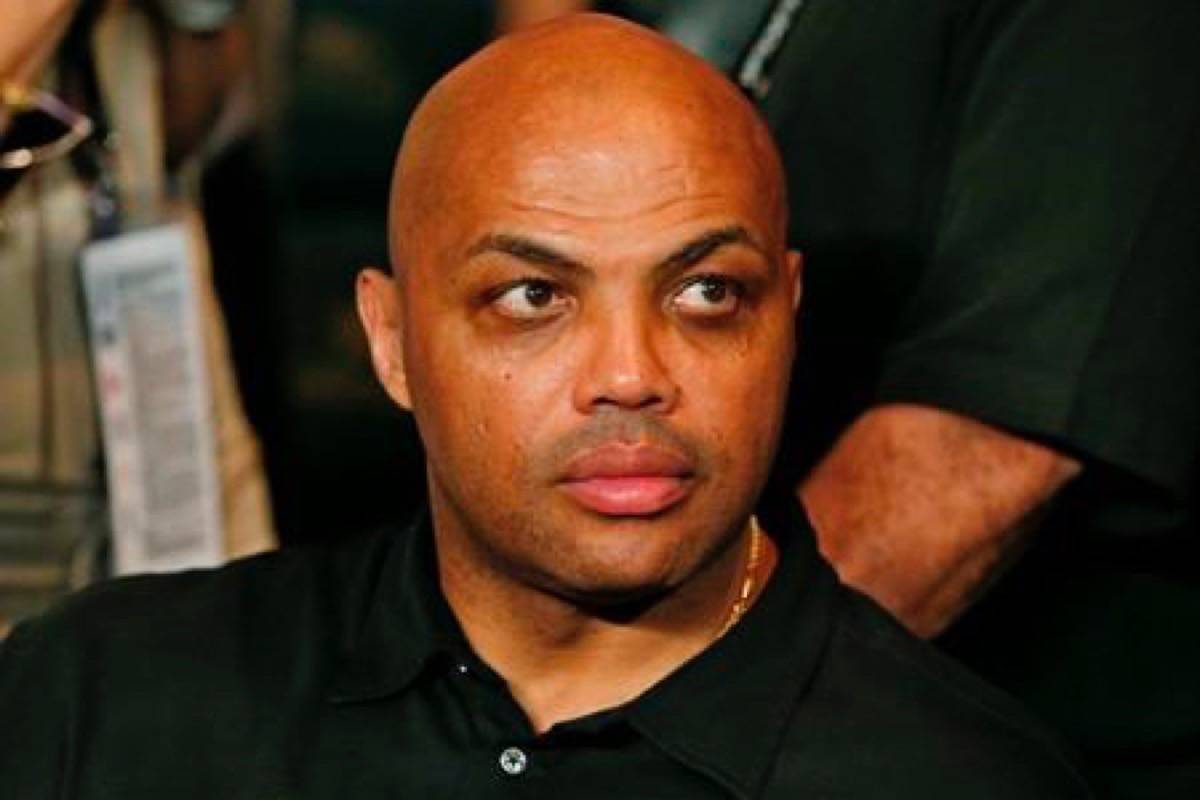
x: 129, y: 674
x: 899, y: 711
x: 253, y: 616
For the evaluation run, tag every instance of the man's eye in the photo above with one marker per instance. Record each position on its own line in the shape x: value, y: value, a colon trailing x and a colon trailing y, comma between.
x: 529, y: 300
x: 708, y: 296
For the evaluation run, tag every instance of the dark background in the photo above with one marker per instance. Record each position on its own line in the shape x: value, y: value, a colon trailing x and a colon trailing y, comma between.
x: 292, y: 218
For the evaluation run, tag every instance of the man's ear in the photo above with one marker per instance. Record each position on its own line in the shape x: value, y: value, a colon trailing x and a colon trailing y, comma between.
x: 380, y: 310
x: 795, y: 268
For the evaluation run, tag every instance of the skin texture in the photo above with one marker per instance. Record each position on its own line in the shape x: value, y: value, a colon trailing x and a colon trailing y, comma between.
x: 28, y: 37
x: 588, y: 248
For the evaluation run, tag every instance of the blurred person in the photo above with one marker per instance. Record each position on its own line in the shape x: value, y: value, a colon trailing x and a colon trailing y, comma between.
x: 137, y: 87
x: 997, y: 415
x: 591, y: 316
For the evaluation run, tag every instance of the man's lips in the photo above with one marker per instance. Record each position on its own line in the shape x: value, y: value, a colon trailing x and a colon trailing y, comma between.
x: 628, y: 480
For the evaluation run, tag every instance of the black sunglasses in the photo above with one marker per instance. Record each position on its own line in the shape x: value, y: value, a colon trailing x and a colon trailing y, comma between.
x: 41, y: 128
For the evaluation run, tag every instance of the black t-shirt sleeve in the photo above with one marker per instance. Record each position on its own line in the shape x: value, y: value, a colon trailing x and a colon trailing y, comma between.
x: 1061, y: 294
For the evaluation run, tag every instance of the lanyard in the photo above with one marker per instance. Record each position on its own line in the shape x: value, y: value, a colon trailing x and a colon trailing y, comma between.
x: 94, y: 160
x: 754, y: 74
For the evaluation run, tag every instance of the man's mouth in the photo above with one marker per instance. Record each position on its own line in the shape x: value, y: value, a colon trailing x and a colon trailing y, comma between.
x: 620, y: 479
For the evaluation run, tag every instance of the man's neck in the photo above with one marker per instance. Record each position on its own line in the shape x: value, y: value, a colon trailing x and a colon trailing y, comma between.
x: 563, y: 661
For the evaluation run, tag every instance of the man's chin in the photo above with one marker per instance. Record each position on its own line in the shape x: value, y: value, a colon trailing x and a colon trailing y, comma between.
x: 616, y: 566
x: 614, y: 603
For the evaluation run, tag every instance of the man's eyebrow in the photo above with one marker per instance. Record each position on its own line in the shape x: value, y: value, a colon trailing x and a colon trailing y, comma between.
x: 705, y: 245
x: 688, y: 255
x: 525, y: 249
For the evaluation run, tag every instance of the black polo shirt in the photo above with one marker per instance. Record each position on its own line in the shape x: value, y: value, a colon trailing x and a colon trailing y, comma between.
x: 342, y: 673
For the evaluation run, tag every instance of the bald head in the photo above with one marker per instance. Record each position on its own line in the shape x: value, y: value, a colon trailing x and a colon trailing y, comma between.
x: 586, y: 87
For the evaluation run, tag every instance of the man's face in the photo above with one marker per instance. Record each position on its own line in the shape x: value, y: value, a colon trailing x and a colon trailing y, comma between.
x: 597, y: 333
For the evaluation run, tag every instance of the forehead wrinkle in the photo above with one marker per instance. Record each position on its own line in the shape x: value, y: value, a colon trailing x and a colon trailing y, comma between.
x: 612, y: 216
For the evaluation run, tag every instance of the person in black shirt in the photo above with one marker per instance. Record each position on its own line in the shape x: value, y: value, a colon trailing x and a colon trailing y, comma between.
x: 997, y: 417
x: 591, y: 316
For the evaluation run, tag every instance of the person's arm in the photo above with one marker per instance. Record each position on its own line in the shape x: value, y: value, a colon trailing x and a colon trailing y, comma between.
x: 28, y: 38
x: 199, y: 69
x: 1058, y: 300
x: 29, y: 35
x: 919, y: 508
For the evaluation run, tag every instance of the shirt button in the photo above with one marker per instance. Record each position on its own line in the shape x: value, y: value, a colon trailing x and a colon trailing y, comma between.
x: 513, y: 761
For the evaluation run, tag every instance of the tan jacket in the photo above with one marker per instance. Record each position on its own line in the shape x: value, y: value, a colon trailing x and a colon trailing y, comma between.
x: 48, y: 419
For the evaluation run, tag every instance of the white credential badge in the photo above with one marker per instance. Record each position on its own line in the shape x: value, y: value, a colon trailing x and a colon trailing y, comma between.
x: 155, y: 406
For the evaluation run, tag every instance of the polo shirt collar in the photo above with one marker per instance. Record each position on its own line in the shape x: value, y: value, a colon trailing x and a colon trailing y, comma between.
x: 405, y: 623
x: 723, y: 713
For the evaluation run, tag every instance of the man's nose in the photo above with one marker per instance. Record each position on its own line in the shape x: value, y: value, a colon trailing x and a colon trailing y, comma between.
x: 624, y: 367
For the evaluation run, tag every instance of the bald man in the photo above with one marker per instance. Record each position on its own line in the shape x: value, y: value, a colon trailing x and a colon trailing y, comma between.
x: 590, y: 314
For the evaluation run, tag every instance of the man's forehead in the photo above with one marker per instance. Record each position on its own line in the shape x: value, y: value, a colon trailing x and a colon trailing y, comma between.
x: 619, y: 168
x: 590, y: 132
x: 596, y: 208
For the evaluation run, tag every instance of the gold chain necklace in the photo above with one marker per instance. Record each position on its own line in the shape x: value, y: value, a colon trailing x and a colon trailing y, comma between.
x: 749, y: 579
